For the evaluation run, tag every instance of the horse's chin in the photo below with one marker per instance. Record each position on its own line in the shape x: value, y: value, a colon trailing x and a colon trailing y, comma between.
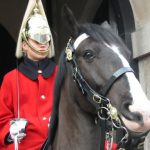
x: 134, y: 126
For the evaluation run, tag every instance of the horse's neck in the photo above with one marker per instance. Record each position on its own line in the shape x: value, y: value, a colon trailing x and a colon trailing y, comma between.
x: 76, y: 129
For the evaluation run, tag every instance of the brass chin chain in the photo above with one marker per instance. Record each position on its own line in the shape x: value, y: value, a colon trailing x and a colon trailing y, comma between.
x: 111, y: 116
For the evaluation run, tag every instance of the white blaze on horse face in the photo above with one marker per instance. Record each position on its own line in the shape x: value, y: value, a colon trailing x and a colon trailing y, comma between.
x: 140, y: 102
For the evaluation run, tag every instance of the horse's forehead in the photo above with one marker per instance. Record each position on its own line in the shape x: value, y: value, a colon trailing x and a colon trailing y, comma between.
x: 113, y: 47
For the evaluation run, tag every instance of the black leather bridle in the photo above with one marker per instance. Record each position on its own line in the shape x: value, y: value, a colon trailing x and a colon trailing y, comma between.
x: 105, y: 111
x: 99, y: 100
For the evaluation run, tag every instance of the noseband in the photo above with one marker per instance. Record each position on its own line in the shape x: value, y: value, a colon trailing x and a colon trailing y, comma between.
x: 107, y: 114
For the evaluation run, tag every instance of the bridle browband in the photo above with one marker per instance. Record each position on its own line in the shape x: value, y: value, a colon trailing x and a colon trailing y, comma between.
x: 105, y: 111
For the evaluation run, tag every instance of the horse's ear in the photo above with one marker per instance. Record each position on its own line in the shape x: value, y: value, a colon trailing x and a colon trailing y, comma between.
x: 70, y: 21
x: 106, y: 25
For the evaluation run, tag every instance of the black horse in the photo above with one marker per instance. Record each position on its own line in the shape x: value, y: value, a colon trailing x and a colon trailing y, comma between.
x: 96, y: 93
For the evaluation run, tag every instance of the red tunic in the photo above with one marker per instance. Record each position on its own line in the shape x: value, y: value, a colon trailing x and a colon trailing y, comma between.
x: 36, y: 97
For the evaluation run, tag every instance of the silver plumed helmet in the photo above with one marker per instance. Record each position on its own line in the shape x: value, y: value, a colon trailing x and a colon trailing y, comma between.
x: 38, y: 29
x: 35, y: 26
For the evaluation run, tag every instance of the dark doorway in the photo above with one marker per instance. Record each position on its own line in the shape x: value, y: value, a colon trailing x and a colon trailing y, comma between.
x: 7, y: 57
x: 119, y: 14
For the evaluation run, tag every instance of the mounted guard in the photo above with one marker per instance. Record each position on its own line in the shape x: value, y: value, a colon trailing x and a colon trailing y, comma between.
x: 26, y: 108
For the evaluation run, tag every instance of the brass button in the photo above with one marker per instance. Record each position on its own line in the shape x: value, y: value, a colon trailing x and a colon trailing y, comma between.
x: 44, y: 118
x: 39, y: 71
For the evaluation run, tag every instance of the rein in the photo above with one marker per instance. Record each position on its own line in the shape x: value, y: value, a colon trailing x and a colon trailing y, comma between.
x: 107, y: 114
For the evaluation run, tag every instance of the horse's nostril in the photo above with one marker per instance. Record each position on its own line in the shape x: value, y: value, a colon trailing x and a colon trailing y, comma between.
x: 138, y: 118
x: 132, y: 116
x: 125, y: 105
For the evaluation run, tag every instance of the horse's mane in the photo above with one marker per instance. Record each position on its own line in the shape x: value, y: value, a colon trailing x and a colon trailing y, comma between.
x: 57, y: 89
x: 99, y: 33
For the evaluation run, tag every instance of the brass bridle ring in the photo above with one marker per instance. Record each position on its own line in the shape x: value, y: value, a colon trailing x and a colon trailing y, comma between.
x: 103, y: 109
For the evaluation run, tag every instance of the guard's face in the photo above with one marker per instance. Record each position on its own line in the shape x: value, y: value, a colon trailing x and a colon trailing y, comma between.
x: 31, y: 54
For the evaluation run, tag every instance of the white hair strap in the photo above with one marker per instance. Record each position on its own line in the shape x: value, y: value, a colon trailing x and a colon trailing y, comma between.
x: 79, y: 39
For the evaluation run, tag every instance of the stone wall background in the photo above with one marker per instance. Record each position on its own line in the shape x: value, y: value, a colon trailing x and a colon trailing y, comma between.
x: 141, y: 46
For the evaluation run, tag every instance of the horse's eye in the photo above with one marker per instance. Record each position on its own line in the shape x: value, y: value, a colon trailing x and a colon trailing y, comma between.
x: 88, y: 55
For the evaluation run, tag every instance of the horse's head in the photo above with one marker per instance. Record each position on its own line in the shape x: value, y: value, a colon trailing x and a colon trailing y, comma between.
x: 101, y: 56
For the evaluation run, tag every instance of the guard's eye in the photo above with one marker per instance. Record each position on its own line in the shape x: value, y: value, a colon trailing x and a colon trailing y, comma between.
x: 88, y: 55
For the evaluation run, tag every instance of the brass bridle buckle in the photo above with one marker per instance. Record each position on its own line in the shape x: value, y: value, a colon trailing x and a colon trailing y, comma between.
x: 97, y: 99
